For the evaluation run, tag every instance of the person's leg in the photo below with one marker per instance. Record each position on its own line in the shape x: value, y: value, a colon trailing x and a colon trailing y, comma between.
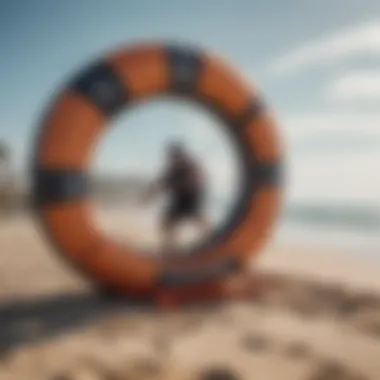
x: 168, y: 231
x: 168, y: 238
x: 199, y: 214
x: 203, y: 223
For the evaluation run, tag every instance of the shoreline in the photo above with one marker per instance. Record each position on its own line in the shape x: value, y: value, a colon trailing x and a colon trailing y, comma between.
x: 21, y: 233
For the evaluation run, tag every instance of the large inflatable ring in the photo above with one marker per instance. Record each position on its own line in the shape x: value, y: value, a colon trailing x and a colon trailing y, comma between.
x: 78, y: 117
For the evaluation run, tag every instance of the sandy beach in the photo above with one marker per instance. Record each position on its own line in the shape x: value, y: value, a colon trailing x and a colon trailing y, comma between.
x: 318, y: 319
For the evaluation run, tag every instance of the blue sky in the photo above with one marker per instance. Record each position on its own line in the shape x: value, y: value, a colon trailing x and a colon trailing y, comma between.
x: 316, y: 62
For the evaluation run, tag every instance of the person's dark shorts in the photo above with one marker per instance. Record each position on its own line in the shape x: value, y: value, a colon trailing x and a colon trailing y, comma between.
x: 185, y: 207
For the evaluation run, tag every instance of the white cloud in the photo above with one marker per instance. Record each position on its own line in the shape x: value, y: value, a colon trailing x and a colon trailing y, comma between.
x: 359, y: 85
x: 363, y: 39
x: 294, y: 126
x: 327, y: 175
x: 347, y: 179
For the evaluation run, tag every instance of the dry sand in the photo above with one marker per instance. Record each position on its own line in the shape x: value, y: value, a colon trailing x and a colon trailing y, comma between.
x: 318, y: 319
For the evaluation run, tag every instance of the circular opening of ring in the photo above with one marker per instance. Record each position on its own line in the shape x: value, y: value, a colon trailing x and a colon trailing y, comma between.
x: 135, y: 154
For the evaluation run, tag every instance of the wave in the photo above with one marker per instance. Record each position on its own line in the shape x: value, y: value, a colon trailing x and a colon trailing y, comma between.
x: 366, y: 217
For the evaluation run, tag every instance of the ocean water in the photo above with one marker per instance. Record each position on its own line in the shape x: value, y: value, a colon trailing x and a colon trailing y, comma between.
x: 362, y: 242
x: 353, y: 229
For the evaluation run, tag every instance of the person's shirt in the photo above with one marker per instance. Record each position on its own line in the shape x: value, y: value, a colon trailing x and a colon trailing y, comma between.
x: 184, y: 180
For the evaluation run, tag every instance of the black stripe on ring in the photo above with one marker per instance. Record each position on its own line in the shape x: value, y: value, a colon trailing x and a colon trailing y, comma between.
x: 185, y: 65
x: 268, y: 174
x: 257, y: 175
x: 184, y: 277
x: 55, y: 186
x: 100, y: 84
x: 255, y: 109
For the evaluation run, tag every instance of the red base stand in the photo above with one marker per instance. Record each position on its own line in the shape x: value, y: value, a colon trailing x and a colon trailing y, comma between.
x: 172, y: 298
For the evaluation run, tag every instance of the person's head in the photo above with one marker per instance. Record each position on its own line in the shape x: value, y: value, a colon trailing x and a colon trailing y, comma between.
x: 176, y: 153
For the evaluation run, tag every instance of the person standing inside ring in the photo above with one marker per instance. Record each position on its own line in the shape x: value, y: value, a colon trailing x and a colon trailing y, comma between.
x: 184, y: 182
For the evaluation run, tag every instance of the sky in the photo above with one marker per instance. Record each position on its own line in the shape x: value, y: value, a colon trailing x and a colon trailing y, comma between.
x: 317, y: 64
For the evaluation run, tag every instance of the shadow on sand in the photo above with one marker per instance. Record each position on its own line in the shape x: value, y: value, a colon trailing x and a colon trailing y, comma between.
x: 30, y: 321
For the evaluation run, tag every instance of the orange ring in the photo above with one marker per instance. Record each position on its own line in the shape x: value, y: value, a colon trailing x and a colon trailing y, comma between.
x: 74, y: 124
